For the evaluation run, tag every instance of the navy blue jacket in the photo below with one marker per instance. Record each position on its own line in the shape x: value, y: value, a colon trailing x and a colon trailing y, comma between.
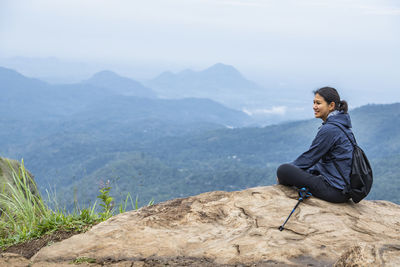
x: 330, y: 143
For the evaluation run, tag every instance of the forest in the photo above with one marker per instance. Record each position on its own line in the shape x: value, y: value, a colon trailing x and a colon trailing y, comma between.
x: 74, y: 138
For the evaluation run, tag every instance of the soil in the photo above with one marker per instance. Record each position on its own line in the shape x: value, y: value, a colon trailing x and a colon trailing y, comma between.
x: 30, y: 247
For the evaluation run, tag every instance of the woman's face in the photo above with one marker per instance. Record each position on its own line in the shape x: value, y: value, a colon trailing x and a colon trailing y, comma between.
x: 322, y: 108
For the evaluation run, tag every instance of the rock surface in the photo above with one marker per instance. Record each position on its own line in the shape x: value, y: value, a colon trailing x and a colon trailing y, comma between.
x: 11, y: 259
x: 228, y: 228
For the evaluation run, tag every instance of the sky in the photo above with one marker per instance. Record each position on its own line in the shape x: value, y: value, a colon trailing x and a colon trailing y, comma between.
x: 353, y: 44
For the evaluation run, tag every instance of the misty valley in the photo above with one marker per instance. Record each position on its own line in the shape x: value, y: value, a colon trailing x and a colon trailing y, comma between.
x: 175, y: 136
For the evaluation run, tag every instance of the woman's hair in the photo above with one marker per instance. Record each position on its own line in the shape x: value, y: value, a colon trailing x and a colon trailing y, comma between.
x: 331, y: 95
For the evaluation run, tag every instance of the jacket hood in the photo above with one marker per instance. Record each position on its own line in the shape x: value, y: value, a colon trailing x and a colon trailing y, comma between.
x: 340, y: 117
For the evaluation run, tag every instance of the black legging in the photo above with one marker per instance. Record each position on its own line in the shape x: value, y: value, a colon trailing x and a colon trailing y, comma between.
x: 291, y: 175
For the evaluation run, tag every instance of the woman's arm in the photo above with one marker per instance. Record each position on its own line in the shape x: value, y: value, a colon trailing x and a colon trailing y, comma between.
x: 321, y: 144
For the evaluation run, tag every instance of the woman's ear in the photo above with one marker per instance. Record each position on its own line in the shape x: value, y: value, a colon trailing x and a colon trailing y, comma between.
x: 331, y: 106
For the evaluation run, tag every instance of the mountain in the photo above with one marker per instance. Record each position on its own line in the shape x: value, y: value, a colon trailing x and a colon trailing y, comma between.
x: 16, y: 81
x: 103, y: 95
x: 75, y: 136
x: 120, y: 85
x: 126, y: 109
x: 50, y: 69
x: 220, y: 82
x: 31, y: 108
x: 24, y: 97
x: 103, y: 132
x: 165, y: 165
x: 18, y: 90
x: 83, y: 118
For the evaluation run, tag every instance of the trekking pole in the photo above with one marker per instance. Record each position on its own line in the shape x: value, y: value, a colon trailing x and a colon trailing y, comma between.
x: 303, y: 194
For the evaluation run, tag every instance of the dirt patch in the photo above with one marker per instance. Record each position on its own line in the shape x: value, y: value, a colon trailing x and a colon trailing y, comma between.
x: 29, y: 248
x: 171, y: 212
x: 166, y: 214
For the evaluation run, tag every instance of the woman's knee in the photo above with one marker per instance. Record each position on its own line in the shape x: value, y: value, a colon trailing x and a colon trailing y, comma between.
x: 284, y: 170
x: 284, y: 173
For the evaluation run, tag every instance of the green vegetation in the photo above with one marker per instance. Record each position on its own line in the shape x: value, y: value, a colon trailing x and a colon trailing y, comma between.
x: 80, y: 260
x: 386, y: 179
x: 21, y: 209
x: 164, y: 166
x: 25, y: 215
x: 74, y: 136
x: 107, y: 205
x: 154, y: 160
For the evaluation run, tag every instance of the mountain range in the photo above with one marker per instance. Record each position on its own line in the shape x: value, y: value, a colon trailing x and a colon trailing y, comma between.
x: 40, y: 108
x: 220, y: 82
x: 77, y: 136
x: 120, y: 85
x: 215, y: 159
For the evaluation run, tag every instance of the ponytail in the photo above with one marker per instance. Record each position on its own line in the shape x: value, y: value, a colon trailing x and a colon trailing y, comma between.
x: 342, y: 106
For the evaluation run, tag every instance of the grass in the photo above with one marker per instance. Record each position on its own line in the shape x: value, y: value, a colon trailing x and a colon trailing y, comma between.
x: 25, y: 215
x: 80, y: 260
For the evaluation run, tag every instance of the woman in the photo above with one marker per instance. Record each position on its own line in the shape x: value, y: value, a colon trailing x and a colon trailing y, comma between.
x: 315, y: 169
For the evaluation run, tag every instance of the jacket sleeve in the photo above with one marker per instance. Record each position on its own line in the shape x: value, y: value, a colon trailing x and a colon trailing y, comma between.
x: 321, y: 144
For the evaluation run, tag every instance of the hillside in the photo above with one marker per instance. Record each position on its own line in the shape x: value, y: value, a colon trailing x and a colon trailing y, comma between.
x: 225, y: 159
x: 220, y: 82
x: 32, y: 109
x: 120, y: 85
x: 164, y: 148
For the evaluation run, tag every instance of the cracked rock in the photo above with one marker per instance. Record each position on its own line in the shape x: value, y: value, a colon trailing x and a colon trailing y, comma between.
x: 240, y: 228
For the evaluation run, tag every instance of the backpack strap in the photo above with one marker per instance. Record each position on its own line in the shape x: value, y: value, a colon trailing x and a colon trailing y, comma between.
x: 347, y: 188
x: 348, y: 137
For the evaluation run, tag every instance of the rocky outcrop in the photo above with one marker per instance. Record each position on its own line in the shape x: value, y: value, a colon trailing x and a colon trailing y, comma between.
x: 228, y: 228
x: 375, y: 254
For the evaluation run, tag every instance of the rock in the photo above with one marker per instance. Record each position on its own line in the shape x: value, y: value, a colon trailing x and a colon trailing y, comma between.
x: 228, y: 228
x: 15, y: 260
x: 370, y: 255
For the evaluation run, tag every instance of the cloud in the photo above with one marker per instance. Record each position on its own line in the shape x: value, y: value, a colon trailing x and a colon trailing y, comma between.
x: 383, y: 11
x: 248, y: 3
x: 278, y: 110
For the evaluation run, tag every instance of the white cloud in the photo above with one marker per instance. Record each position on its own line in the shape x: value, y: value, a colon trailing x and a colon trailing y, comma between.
x: 278, y: 110
x: 249, y: 3
x: 383, y: 11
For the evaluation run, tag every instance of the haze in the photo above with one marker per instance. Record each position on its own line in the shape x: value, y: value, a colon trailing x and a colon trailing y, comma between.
x: 287, y: 45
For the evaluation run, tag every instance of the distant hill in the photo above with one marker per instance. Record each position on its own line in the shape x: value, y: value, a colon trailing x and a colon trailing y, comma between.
x: 220, y: 82
x: 24, y: 97
x: 376, y: 131
x: 75, y: 136
x: 16, y: 81
x: 31, y: 108
x: 120, y: 85
x: 189, y: 110
x: 165, y: 167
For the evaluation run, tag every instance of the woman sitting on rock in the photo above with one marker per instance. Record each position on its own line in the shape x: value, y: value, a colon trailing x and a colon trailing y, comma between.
x: 315, y: 169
